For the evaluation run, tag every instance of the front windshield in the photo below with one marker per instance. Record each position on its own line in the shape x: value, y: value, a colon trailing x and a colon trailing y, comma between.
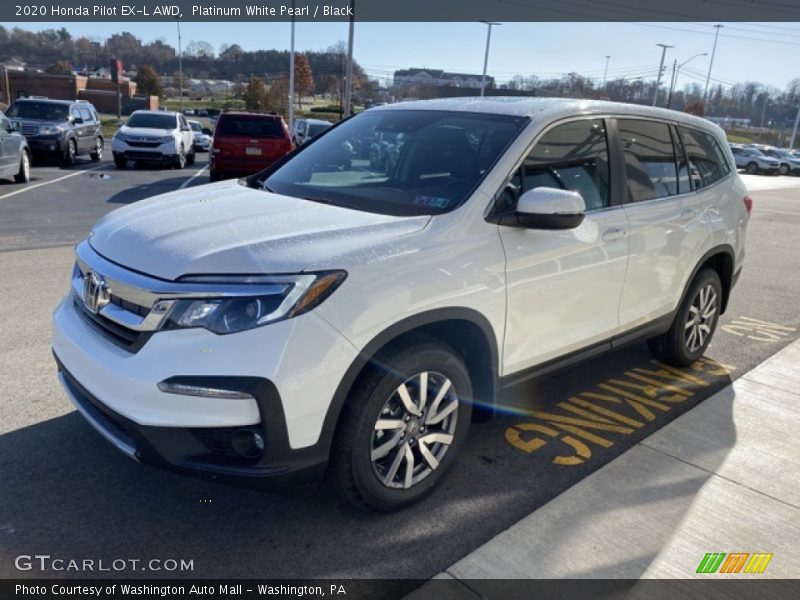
x: 40, y: 111
x: 753, y: 152
x: 195, y: 126
x: 152, y: 121
x: 398, y: 162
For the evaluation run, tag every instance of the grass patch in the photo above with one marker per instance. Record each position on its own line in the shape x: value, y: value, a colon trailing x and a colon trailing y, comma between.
x: 738, y: 139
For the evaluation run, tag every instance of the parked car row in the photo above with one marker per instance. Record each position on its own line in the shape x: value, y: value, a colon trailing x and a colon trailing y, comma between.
x: 759, y: 158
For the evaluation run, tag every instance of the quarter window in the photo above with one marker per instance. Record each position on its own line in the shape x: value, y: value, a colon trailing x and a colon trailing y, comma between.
x: 650, y: 165
x: 574, y: 157
x: 707, y: 163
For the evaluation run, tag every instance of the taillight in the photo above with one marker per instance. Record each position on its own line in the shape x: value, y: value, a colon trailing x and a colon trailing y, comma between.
x: 748, y: 205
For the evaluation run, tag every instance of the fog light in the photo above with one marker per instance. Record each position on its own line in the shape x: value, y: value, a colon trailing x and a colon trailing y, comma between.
x: 52, y: 146
x: 202, y: 391
x: 247, y: 443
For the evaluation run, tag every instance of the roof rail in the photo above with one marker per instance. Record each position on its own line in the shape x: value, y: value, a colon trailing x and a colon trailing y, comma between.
x: 82, y: 101
x: 38, y: 97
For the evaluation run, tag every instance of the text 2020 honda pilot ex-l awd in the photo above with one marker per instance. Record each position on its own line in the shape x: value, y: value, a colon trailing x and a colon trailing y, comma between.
x: 328, y: 316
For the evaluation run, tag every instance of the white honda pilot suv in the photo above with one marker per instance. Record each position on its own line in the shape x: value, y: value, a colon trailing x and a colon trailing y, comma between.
x: 331, y: 316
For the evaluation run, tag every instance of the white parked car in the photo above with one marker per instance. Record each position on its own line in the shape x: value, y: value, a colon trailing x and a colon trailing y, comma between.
x: 202, y: 136
x: 305, y: 129
x: 152, y: 135
x: 753, y: 160
x: 328, y: 315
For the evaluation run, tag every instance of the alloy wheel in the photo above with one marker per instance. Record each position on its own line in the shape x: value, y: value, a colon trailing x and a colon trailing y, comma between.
x: 414, y: 430
x: 99, y: 149
x: 700, y: 319
x: 26, y: 167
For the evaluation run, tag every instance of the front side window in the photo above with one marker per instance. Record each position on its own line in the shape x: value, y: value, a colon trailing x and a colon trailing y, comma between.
x: 399, y: 162
x: 650, y: 161
x: 86, y: 114
x: 707, y: 162
x: 574, y: 157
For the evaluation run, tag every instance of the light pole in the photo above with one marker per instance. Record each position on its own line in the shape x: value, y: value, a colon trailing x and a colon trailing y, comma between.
x: 711, y: 62
x: 605, y: 71
x: 676, y: 71
x: 489, y: 25
x: 794, y: 130
x: 180, y: 66
x: 348, y: 89
x: 291, y: 77
x: 660, y: 69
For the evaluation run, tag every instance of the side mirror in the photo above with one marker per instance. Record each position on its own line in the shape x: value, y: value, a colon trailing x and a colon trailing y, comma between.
x: 14, y: 126
x: 207, y: 131
x: 546, y: 208
x: 186, y: 128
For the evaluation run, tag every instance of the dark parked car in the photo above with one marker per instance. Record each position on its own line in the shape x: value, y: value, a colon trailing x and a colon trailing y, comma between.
x: 15, y: 156
x: 245, y: 143
x: 58, y: 129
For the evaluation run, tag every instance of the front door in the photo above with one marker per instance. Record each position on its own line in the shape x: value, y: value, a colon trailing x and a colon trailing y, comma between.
x: 564, y: 287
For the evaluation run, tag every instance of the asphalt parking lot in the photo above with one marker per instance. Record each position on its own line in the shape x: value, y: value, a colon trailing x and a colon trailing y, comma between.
x: 66, y: 492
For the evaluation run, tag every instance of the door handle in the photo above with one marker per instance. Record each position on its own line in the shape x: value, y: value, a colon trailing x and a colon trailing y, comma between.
x: 614, y: 234
x: 688, y: 214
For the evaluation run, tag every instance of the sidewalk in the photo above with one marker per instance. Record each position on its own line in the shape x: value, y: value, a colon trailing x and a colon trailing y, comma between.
x: 724, y: 477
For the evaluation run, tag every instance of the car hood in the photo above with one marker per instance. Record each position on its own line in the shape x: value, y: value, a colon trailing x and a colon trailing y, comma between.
x: 145, y: 131
x: 230, y: 228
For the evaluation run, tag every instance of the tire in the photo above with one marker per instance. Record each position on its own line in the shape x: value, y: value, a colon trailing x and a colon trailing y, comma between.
x: 784, y: 170
x: 180, y: 162
x: 751, y: 168
x: 24, y: 173
x: 370, y: 465
x: 120, y: 162
x: 190, y: 158
x: 70, y: 154
x: 694, y: 324
x: 214, y: 176
x: 97, y: 154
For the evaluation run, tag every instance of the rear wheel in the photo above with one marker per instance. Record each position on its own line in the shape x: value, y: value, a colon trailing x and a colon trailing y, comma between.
x: 24, y: 173
x: 402, y: 426
x: 751, y: 168
x: 97, y: 153
x: 694, y: 324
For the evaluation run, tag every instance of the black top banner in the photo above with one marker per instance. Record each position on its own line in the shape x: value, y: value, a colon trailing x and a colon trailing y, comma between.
x: 12, y: 12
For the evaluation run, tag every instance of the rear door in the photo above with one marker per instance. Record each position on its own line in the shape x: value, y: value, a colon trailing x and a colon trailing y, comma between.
x: 669, y: 228
x: 564, y: 287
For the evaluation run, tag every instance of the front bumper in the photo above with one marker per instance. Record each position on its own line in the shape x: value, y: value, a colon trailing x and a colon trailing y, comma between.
x: 166, y: 152
x: 208, y: 453
x: 52, y: 145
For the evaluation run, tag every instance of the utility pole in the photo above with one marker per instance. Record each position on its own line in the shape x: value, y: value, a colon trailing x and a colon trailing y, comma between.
x: 489, y: 25
x: 605, y: 72
x: 794, y: 130
x: 348, y: 88
x: 180, y: 66
x: 291, y: 78
x: 660, y: 70
x: 711, y: 62
x: 672, y: 83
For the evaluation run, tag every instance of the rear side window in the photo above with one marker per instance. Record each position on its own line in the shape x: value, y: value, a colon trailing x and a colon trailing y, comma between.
x: 707, y: 162
x: 251, y: 126
x: 650, y: 160
x: 574, y: 157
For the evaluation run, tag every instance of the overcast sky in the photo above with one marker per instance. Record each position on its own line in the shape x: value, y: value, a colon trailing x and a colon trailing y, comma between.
x: 764, y: 52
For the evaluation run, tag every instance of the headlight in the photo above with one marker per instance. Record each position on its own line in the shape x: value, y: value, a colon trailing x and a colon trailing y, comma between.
x: 121, y: 137
x: 284, y: 297
x: 166, y: 139
x: 49, y: 130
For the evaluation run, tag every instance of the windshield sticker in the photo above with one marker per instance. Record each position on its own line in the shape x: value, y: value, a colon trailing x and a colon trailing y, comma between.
x: 432, y: 201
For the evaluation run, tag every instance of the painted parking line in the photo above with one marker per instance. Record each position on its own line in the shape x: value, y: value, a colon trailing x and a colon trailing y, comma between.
x: 758, y: 330
x: 28, y: 188
x: 614, y: 408
x: 778, y: 212
x: 196, y: 174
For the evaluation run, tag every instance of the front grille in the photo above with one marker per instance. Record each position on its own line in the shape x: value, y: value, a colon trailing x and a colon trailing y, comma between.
x: 142, y: 144
x: 119, y: 335
x: 30, y: 129
x: 142, y: 311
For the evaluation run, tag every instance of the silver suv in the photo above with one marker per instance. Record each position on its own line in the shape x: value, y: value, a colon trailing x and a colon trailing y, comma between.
x: 753, y: 160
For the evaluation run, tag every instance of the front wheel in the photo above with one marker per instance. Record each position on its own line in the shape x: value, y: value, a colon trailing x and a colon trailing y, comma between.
x: 70, y: 154
x: 751, y: 168
x: 97, y: 154
x: 694, y: 324
x: 24, y: 173
x: 402, y: 427
x: 784, y: 170
x: 180, y: 161
x: 190, y: 158
x: 120, y: 162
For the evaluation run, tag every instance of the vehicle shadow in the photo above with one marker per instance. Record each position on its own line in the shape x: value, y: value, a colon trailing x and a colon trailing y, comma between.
x: 135, y: 193
x: 66, y: 492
